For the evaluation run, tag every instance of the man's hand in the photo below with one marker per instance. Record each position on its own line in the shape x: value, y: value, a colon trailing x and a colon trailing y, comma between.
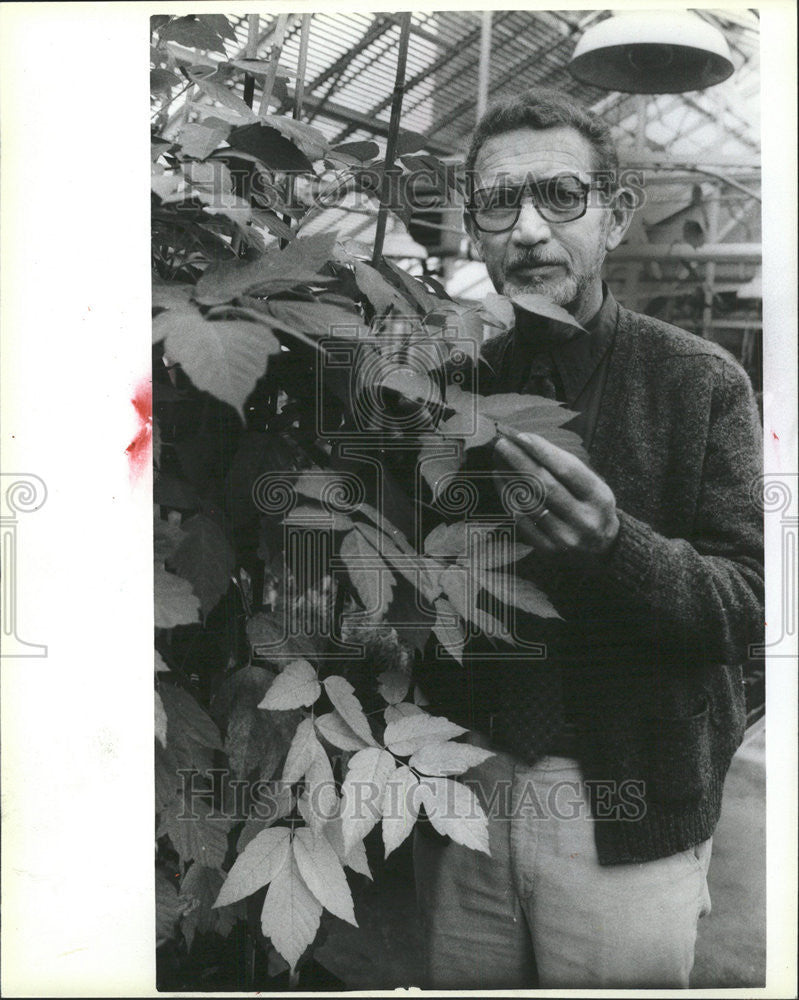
x: 578, y: 521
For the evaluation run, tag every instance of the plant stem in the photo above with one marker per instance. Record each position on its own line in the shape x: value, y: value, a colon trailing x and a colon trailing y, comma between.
x: 393, y: 132
x: 274, y: 56
x: 251, y: 52
x: 302, y: 60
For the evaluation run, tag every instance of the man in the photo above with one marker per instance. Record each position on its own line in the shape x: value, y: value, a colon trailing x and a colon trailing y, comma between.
x: 612, y: 750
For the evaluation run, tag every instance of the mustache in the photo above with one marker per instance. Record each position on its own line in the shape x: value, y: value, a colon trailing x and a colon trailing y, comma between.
x: 527, y: 258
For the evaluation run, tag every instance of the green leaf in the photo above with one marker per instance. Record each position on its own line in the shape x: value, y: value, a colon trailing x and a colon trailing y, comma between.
x: 198, y: 890
x: 254, y: 740
x: 451, y: 636
x: 308, y: 139
x: 260, y: 861
x: 167, y: 909
x: 219, y: 24
x: 342, y: 695
x: 197, y: 68
x: 301, y: 753
x: 405, y: 736
x: 470, y: 541
x: 393, y: 685
x: 160, y: 720
x: 454, y: 811
x: 273, y: 802
x: 540, y: 305
x: 322, y: 796
x: 395, y: 712
x: 291, y: 913
x: 498, y: 311
x: 462, y: 593
x: 525, y: 412
x: 196, y: 837
x: 167, y: 535
x: 204, y: 558
x: 272, y: 148
x: 381, y: 293
x: 356, y: 859
x: 362, y: 151
x: 162, y: 80
x: 362, y: 793
x: 238, y: 210
x: 299, y: 264
x: 368, y: 574
x: 474, y: 433
x: 158, y: 146
x: 274, y: 637
x: 269, y: 220
x: 435, y: 465
x: 409, y: 142
x: 193, y: 33
x: 175, y: 602
x: 320, y: 319
x: 219, y: 92
x: 448, y: 758
x: 171, y: 296
x: 157, y: 21
x: 336, y: 731
x: 419, y: 572
x: 518, y: 592
x: 255, y: 67
x: 317, y: 517
x: 189, y: 723
x: 223, y: 357
x: 200, y: 141
x: 399, y: 808
x: 322, y: 872
x: 423, y: 299
x: 295, y: 687
x: 223, y: 116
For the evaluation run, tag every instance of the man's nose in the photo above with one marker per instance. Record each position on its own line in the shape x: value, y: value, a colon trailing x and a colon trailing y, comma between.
x: 530, y: 226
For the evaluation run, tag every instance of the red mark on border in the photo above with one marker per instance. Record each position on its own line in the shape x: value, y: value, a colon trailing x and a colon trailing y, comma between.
x: 775, y: 435
x: 138, y: 451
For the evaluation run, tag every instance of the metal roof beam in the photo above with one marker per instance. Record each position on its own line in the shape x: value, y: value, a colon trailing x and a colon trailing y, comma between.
x: 436, y: 65
x: 378, y: 27
x: 355, y: 120
x: 511, y: 74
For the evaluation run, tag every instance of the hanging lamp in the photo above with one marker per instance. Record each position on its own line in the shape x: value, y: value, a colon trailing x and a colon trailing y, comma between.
x: 652, y: 52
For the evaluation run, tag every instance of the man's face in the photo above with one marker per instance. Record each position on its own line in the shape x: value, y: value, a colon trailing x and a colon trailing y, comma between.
x: 561, y: 260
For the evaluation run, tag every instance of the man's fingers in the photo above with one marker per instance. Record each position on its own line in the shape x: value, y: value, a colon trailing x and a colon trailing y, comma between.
x: 569, y: 470
x: 555, y: 496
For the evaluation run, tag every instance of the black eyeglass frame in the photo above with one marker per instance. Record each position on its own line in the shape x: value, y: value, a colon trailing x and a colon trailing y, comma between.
x: 532, y: 189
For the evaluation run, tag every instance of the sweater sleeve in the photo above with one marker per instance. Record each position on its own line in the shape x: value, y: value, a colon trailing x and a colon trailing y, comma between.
x: 705, y: 592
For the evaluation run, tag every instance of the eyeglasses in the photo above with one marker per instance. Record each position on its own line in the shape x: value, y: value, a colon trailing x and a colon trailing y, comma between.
x: 562, y: 198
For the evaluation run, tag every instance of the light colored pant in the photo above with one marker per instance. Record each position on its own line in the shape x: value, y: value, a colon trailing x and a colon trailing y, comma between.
x: 542, y: 911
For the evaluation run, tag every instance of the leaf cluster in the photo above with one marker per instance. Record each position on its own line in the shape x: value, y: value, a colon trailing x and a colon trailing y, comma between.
x: 254, y: 669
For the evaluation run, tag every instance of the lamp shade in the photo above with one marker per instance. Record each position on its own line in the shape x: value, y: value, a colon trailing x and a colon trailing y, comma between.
x: 653, y: 52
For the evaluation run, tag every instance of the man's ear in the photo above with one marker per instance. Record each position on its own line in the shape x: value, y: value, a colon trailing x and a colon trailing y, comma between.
x: 621, y: 209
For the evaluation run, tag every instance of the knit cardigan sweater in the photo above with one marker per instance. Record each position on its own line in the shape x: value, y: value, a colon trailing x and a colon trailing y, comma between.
x: 648, y: 638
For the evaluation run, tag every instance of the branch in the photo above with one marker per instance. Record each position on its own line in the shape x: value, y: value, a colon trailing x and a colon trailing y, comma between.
x: 393, y: 132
